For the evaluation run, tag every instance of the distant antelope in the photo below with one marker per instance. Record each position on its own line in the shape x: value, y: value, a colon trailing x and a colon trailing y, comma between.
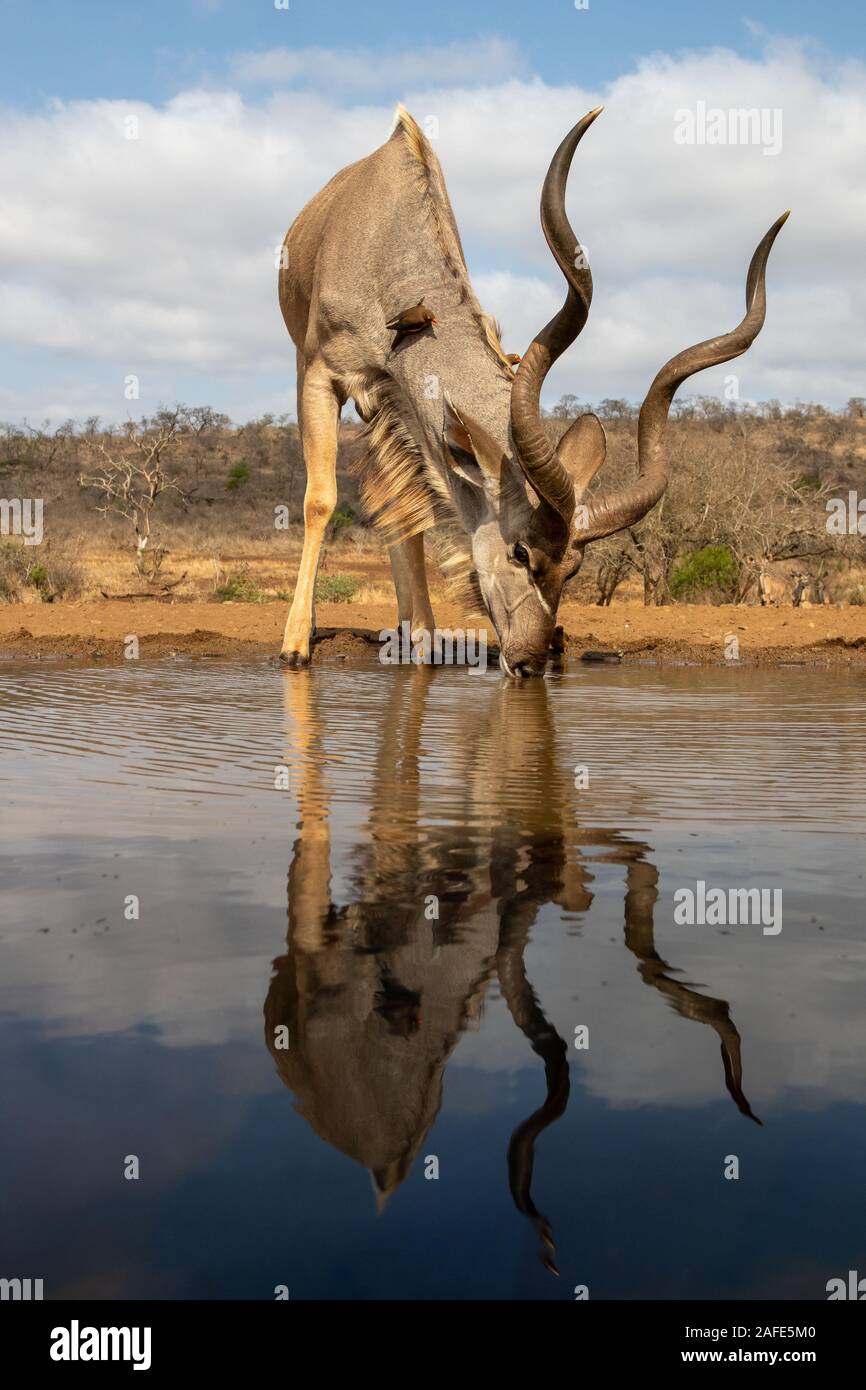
x: 809, y: 591
x: 772, y: 589
x: 454, y: 434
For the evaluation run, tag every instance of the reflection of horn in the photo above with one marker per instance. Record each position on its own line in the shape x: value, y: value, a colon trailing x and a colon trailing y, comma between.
x: 546, y: 1042
x: 703, y: 1008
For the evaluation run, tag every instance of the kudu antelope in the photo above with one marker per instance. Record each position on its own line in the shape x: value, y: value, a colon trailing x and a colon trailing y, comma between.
x: 809, y: 591
x: 773, y: 590
x: 454, y: 433
x: 375, y: 992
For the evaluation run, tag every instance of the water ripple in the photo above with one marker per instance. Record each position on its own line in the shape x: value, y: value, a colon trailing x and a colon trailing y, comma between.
x: 689, y: 745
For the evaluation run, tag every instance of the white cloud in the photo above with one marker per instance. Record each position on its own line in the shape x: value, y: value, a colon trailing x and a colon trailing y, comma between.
x: 156, y: 254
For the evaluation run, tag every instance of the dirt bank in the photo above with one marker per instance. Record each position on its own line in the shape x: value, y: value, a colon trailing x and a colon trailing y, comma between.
x: 766, y: 636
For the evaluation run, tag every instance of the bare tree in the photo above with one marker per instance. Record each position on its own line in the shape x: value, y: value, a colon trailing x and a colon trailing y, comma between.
x: 613, y: 565
x: 131, y: 482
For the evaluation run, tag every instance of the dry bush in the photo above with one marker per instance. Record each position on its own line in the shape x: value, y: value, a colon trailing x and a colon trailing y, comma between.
x: 16, y: 562
x: 38, y: 573
x: 66, y: 574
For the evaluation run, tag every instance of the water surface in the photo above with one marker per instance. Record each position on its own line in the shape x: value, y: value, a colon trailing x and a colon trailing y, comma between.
x: 394, y: 872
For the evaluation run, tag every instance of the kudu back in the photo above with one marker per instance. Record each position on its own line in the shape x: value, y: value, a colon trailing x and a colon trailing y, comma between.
x: 455, y: 436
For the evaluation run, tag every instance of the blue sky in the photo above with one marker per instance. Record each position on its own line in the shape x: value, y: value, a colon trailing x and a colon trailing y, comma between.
x: 148, y: 51
x: 154, y: 257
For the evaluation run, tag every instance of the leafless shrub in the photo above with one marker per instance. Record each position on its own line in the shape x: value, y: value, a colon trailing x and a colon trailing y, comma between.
x: 130, y: 480
x: 66, y: 575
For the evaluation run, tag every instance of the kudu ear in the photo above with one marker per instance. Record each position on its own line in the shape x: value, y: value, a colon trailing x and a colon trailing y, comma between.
x: 470, y: 451
x: 582, y: 450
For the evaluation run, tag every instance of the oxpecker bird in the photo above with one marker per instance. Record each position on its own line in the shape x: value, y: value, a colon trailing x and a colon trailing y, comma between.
x: 410, y: 321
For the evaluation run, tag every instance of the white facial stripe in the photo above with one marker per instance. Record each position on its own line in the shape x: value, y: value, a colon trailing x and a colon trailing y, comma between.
x: 541, y: 600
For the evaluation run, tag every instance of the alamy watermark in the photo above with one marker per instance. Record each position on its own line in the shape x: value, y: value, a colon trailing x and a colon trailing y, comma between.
x: 20, y: 1290
x: 729, y: 907
x: 714, y: 125
x: 846, y: 516
x: 443, y: 646
x: 854, y: 1288
x: 77, y: 1343
x: 22, y: 516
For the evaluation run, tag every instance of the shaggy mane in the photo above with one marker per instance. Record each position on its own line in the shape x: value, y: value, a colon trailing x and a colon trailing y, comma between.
x: 400, y: 493
x: 395, y: 485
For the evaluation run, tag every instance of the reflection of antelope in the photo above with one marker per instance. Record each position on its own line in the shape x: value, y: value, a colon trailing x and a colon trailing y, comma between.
x: 376, y: 993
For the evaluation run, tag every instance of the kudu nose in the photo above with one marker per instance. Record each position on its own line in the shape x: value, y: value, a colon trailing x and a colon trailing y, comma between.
x: 528, y: 668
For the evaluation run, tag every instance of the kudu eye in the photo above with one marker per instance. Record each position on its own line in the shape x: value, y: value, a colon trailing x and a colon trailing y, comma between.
x: 521, y: 554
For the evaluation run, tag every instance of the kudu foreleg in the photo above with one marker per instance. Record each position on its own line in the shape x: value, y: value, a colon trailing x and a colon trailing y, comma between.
x: 408, y: 566
x: 319, y: 419
x: 402, y: 582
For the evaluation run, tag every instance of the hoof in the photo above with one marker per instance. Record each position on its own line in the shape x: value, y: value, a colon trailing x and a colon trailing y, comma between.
x: 294, y: 660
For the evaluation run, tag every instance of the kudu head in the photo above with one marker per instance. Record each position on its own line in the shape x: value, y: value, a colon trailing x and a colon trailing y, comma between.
x: 527, y: 542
